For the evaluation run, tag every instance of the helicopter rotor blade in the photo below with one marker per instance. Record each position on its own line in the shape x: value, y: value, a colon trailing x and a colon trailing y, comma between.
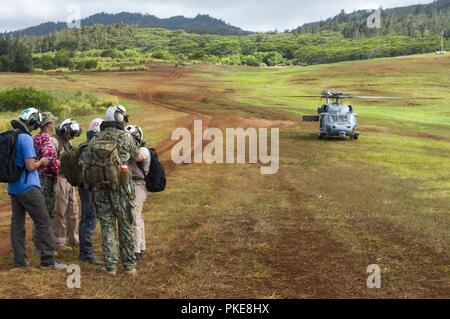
x: 364, y: 97
x: 391, y: 97
x: 303, y: 96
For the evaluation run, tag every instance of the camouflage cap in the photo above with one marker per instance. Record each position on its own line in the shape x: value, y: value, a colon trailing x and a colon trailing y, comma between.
x: 48, y: 117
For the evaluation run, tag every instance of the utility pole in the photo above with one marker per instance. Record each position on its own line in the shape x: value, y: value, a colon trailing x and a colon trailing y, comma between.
x: 442, y: 45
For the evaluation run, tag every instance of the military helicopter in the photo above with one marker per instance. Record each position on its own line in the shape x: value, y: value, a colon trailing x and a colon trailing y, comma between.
x: 338, y: 119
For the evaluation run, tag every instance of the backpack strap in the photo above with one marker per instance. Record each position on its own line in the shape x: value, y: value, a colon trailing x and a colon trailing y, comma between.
x: 24, y: 168
x: 118, y: 134
x: 60, y: 146
x: 140, y: 165
x: 83, y: 146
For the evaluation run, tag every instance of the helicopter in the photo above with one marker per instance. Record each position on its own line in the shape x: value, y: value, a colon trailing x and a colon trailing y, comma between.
x: 338, y: 119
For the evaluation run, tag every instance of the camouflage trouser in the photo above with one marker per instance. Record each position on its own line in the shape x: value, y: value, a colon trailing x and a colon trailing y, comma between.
x: 116, y: 207
x: 48, y: 190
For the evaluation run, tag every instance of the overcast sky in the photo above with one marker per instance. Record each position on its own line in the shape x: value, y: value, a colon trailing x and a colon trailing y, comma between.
x: 253, y: 15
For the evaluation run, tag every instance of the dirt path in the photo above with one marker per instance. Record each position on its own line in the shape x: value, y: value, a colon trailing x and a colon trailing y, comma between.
x: 326, y: 267
x: 304, y: 256
x: 303, y: 250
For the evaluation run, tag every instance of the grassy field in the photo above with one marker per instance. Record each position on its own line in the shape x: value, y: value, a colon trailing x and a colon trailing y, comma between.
x: 309, y: 231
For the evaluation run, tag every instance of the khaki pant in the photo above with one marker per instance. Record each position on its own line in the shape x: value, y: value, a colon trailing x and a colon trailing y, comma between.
x: 138, y: 225
x: 65, y: 224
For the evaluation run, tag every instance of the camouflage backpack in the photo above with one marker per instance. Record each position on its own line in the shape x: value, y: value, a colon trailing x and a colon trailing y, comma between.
x: 104, y: 169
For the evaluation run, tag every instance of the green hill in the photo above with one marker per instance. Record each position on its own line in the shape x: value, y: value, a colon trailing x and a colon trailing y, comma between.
x: 416, y: 20
x: 202, y: 24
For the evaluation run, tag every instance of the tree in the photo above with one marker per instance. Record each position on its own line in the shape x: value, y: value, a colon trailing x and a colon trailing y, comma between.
x: 250, y: 60
x: 62, y: 59
x: 224, y: 47
x: 15, y: 55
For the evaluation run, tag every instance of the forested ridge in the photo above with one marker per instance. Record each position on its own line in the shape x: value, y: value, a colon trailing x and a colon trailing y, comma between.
x: 103, y: 47
x: 202, y: 24
x: 414, y: 21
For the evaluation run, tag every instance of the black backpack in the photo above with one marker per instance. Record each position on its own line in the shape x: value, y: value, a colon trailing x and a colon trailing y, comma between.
x: 155, y: 180
x: 9, y: 171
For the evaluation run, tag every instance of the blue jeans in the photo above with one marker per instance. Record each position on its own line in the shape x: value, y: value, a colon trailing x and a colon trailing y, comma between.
x: 87, y: 225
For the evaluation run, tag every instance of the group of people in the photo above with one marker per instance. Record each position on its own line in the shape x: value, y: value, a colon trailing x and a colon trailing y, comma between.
x: 113, y: 163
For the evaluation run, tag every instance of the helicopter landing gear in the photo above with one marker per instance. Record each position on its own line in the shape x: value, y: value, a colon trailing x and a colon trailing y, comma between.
x: 321, y: 136
x: 354, y: 137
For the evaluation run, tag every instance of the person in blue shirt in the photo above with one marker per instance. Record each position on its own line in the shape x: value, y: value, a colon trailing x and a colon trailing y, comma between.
x: 27, y: 197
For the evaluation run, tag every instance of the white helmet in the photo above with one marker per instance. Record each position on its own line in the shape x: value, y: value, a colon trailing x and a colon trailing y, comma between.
x: 32, y: 117
x: 71, y: 126
x: 136, y: 132
x: 95, y: 125
x: 117, y: 113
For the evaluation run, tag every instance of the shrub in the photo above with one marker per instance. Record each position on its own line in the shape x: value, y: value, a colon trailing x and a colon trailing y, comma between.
x: 250, y: 60
x: 232, y: 60
x: 272, y: 58
x: 111, y: 53
x: 20, y: 98
x: 162, y: 55
x: 91, y: 64
x: 131, y: 53
x: 62, y: 59
x: 45, y: 62
x: 86, y: 65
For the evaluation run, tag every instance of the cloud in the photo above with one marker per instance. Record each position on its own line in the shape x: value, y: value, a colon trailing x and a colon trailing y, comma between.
x: 254, y: 15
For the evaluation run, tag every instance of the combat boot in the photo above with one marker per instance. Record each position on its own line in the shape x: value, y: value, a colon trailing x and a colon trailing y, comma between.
x: 132, y: 272
x: 110, y: 272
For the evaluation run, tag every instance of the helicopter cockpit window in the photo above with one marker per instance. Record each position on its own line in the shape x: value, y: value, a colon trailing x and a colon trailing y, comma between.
x: 333, y: 118
x: 342, y: 118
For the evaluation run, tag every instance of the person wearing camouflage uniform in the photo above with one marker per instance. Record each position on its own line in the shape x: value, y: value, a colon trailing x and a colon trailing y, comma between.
x: 116, y: 206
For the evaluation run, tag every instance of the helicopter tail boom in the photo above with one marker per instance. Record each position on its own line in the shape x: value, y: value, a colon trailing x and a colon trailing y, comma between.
x: 311, y: 118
